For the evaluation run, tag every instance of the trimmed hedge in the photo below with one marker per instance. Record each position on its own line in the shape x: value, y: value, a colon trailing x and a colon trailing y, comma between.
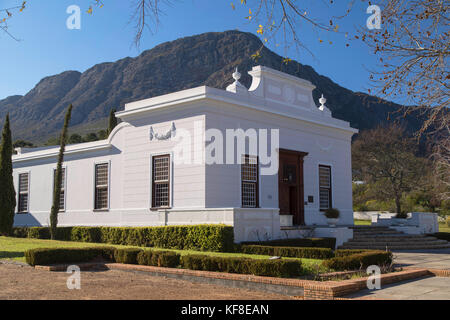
x: 298, y: 242
x: 20, y: 232
x: 349, y: 252
x: 294, y: 252
x: 127, y: 255
x: 201, y: 237
x: 67, y: 255
x: 359, y: 260
x: 259, y: 267
x: 441, y: 235
x: 158, y: 258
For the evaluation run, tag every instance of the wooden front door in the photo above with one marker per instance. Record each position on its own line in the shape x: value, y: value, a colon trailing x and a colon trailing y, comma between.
x: 290, y: 184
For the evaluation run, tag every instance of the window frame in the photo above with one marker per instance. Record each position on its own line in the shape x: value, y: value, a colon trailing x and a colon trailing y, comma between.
x: 63, y: 186
x: 257, y: 182
x: 108, y: 185
x: 330, y: 188
x: 169, y: 181
x: 28, y: 173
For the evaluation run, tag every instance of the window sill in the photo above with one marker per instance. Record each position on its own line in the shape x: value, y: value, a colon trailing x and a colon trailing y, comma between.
x: 159, y: 208
x: 25, y: 212
x: 101, y: 210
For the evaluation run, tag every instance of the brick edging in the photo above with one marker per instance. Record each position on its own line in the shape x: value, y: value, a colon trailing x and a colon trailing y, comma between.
x: 312, y: 290
x: 432, y: 271
x: 333, y: 289
x: 210, y: 274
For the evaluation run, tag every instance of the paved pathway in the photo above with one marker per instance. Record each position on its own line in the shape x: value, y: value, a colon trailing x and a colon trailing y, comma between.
x: 430, y: 288
x: 435, y: 259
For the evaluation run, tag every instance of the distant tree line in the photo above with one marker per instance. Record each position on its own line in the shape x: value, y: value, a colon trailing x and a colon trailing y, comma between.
x: 394, y: 175
x: 75, y: 137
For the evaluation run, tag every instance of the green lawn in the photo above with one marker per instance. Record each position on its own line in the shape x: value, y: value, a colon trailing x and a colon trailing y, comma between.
x: 14, y: 248
x: 443, y: 227
x: 362, y: 222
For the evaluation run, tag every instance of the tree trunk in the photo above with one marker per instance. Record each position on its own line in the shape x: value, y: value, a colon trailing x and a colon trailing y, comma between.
x: 398, y: 204
x: 58, y: 177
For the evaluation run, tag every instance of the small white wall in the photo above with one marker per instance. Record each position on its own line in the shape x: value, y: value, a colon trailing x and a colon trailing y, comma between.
x: 341, y: 234
x: 416, y: 223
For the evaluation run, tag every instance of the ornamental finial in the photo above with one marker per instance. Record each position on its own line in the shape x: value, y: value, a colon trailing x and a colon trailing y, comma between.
x: 236, y: 75
x: 322, y: 101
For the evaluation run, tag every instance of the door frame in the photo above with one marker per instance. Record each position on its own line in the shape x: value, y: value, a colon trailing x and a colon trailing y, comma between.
x: 300, y: 219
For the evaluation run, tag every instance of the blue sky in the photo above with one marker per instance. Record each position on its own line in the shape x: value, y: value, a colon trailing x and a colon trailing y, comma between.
x: 47, y: 47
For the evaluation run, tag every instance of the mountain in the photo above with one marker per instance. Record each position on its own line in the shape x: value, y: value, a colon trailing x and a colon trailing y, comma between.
x: 205, y: 59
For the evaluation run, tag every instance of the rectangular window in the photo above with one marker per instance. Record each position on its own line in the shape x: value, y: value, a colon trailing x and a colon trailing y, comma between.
x: 161, y: 181
x: 62, y: 197
x: 23, y: 192
x: 325, y: 187
x: 249, y: 183
x: 101, y: 186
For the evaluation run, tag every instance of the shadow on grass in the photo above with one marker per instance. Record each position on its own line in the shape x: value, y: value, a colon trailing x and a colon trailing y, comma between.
x: 11, y: 254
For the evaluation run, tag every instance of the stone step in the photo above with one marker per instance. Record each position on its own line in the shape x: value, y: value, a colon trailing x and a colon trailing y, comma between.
x: 394, y: 239
x: 377, y: 233
x: 380, y: 237
x: 416, y: 247
x: 391, y: 239
x: 395, y: 243
x: 384, y: 236
x: 369, y: 227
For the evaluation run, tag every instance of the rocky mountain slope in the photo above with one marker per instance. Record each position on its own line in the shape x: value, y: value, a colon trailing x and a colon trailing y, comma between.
x: 205, y: 59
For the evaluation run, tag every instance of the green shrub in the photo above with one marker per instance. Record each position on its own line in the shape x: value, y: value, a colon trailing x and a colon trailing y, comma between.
x: 332, y: 213
x: 441, y: 235
x: 349, y: 252
x: 158, y: 258
x: 127, y: 255
x: 62, y: 233
x: 294, y: 252
x: 39, y: 233
x: 20, y: 232
x: 201, y: 237
x: 448, y: 221
x: 359, y: 260
x: 42, y: 256
x: 401, y: 215
x: 260, y: 267
x: 86, y: 234
x: 298, y: 242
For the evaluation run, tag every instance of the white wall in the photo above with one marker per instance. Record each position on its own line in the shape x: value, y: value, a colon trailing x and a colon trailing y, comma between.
x: 324, y: 145
x: 199, y: 193
x: 130, y: 177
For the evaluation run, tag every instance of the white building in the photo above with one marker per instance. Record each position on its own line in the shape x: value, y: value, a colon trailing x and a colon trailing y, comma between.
x: 156, y: 166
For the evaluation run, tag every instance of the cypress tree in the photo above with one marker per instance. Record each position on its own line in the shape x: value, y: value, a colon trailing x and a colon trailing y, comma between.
x: 7, y: 192
x: 112, y: 122
x: 58, y: 176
